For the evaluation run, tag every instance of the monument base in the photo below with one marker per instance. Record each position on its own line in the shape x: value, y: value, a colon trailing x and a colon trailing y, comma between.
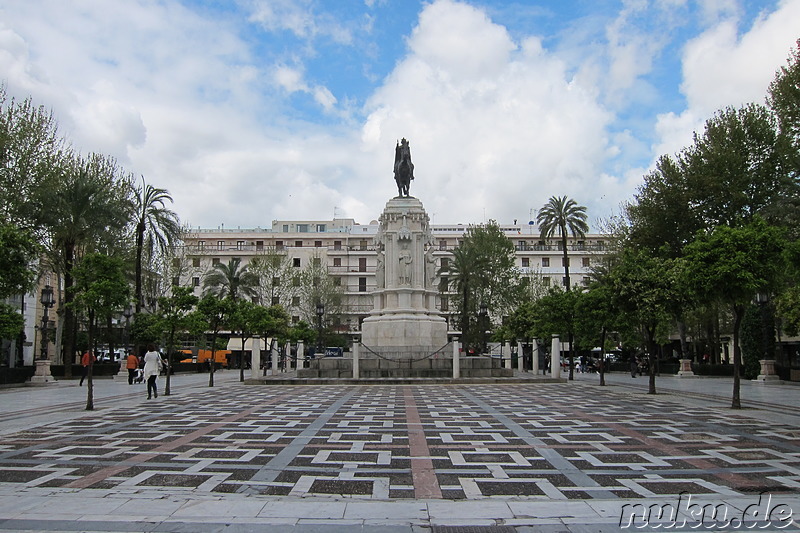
x: 401, y: 336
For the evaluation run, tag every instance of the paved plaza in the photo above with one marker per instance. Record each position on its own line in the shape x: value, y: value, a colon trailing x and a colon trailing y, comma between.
x: 476, y: 457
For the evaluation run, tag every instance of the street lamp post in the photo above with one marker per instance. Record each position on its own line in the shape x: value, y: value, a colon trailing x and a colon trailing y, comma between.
x: 767, y: 362
x: 42, y: 374
x: 320, y: 313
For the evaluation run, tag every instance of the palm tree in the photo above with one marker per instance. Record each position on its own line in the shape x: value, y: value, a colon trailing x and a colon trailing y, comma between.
x: 564, y: 216
x: 230, y: 280
x: 87, y: 210
x: 157, y: 227
x: 462, y: 272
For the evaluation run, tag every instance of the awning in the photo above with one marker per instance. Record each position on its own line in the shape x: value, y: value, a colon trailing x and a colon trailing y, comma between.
x: 235, y: 344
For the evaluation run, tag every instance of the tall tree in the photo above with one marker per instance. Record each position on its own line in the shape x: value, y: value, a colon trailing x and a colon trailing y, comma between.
x: 87, y: 209
x: 275, y: 274
x: 214, y: 313
x: 564, y: 217
x: 481, y: 273
x: 247, y: 319
x: 101, y: 289
x: 730, y: 265
x: 157, y: 228
x: 230, y: 280
x: 173, y: 312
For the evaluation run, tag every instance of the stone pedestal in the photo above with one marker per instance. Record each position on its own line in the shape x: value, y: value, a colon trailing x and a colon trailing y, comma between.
x: 555, y: 357
x: 404, y: 322
x: 42, y: 375
x: 767, y: 371
x: 686, y: 369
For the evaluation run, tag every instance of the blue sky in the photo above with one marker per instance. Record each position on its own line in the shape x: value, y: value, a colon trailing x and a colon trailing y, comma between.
x: 254, y: 110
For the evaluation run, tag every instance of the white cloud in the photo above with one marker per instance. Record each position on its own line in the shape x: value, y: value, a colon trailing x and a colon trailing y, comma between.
x: 723, y: 67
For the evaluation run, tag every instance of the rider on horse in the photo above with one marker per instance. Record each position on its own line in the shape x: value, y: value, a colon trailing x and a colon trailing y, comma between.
x: 403, y: 167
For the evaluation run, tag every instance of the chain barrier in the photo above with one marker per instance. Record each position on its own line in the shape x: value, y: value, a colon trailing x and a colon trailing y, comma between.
x: 376, y: 354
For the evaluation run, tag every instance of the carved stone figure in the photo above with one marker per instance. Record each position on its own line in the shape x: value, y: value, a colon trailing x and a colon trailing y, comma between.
x: 380, y: 271
x: 404, y: 272
x: 430, y: 266
x: 403, y: 167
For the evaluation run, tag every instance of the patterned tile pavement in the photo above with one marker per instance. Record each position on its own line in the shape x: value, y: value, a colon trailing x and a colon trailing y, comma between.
x: 550, y: 444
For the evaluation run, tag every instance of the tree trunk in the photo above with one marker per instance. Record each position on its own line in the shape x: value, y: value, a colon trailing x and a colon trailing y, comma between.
x: 651, y: 359
x: 139, y: 251
x: 89, y: 383
x: 69, y: 314
x: 213, y: 359
x: 738, y: 313
x: 169, y: 360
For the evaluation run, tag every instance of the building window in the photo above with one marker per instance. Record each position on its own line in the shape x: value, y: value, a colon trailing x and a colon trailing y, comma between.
x: 363, y: 245
x: 585, y: 262
x: 545, y: 261
x: 296, y: 262
x: 318, y: 244
x: 220, y: 245
x: 445, y: 263
x: 176, y: 281
x: 195, y: 281
x: 298, y: 244
x: 565, y: 261
x: 240, y: 245
x: 279, y: 245
x: 302, y: 228
x: 445, y: 304
x: 195, y: 262
x: 362, y: 284
x: 315, y: 261
x: 296, y: 281
x: 201, y: 244
x: 337, y: 245
x: 443, y: 283
x: 526, y: 262
x: 286, y: 228
x: 276, y: 281
x: 295, y: 301
x: 214, y: 261
x: 337, y: 261
x: 321, y: 228
x: 176, y: 262
x: 546, y: 281
x: 442, y: 244
x: 362, y: 264
x: 275, y: 300
x: 295, y: 319
x: 586, y: 281
x: 563, y: 281
x: 259, y: 245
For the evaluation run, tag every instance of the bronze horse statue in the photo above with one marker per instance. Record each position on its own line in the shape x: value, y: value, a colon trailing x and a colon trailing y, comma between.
x: 403, y: 167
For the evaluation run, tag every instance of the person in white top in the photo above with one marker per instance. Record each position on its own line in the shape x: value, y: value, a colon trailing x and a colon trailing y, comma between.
x: 152, y: 368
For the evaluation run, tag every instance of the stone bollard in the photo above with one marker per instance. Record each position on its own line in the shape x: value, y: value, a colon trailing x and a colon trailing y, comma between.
x: 555, y: 357
x: 456, y: 363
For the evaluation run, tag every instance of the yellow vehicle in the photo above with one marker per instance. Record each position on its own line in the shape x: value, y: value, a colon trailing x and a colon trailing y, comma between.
x: 203, y: 356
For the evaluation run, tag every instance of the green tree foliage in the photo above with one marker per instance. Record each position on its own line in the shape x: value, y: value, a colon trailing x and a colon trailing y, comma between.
x: 783, y: 98
x: 481, y: 272
x: 214, y: 313
x: 101, y: 290
x: 247, y: 319
x: 173, y: 314
x: 87, y: 210
x: 30, y: 151
x: 730, y: 265
x: 18, y: 252
x: 562, y: 216
x: 230, y: 280
x: 11, y: 322
x: 157, y: 229
x: 758, y: 338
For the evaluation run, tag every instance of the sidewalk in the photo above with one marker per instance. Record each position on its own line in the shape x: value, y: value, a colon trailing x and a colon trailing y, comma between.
x: 524, y: 457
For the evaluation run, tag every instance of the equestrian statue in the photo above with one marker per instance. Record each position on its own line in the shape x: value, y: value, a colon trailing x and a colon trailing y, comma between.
x: 403, y: 167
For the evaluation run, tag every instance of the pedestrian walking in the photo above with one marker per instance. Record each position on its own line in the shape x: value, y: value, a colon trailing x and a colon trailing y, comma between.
x: 132, y: 364
x: 152, y: 367
x: 87, y: 359
x: 634, y: 367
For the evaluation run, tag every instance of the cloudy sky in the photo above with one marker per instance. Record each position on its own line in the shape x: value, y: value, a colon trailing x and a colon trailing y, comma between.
x: 249, y: 111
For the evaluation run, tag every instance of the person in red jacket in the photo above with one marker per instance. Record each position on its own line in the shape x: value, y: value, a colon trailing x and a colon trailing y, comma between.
x: 87, y: 359
x: 132, y: 364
